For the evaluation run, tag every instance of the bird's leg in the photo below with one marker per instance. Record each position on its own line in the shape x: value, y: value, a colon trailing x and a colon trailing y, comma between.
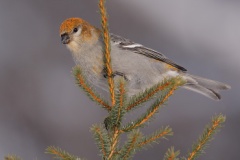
x: 116, y: 73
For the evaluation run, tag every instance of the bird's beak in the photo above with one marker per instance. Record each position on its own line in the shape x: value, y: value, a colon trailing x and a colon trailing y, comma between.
x: 65, y: 38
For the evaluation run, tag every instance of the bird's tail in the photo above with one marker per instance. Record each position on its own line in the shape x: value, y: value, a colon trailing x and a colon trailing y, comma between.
x: 206, y: 87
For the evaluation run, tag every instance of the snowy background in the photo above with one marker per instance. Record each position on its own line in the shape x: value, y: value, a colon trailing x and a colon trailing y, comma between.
x: 40, y: 104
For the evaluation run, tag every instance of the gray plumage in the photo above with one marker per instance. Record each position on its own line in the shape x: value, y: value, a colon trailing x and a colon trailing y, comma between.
x: 140, y: 66
x: 206, y: 87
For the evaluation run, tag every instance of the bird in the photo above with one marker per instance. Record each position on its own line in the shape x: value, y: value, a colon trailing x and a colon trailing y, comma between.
x: 141, y: 67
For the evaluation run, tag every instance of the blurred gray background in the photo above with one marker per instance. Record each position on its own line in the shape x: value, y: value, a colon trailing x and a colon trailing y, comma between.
x: 40, y: 105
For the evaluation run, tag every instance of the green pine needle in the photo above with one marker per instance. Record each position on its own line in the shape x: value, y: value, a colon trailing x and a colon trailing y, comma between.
x: 12, y: 157
x: 60, y: 154
x: 148, y: 94
x: 171, y: 154
x: 82, y: 83
x: 159, y: 134
x: 154, y: 108
x: 131, y: 146
x: 118, y: 110
x: 102, y: 139
x: 207, y: 136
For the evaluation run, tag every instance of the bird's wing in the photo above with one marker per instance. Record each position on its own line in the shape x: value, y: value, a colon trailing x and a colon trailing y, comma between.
x: 127, y: 44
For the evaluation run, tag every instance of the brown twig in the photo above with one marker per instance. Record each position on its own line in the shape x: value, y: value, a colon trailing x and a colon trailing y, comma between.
x: 107, y: 49
x: 83, y: 84
x: 148, y: 96
x: 216, y: 123
x: 153, y: 138
x: 148, y: 116
x: 114, y: 142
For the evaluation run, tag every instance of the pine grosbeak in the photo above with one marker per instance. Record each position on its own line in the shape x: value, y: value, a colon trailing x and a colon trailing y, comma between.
x: 140, y: 66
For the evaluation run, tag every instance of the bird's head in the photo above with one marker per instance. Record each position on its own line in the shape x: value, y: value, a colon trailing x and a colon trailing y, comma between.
x: 75, y: 32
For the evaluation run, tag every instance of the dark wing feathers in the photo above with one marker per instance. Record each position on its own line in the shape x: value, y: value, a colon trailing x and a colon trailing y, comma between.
x: 127, y: 44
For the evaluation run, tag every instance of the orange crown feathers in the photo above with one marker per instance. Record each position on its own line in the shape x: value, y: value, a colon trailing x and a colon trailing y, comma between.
x: 68, y: 25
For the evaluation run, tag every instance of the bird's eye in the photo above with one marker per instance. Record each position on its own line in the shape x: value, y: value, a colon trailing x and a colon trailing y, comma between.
x: 75, y: 30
